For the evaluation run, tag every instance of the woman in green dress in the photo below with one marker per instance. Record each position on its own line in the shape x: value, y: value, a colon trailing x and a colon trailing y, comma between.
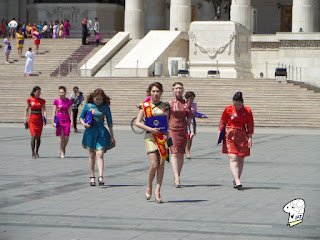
x: 96, y: 138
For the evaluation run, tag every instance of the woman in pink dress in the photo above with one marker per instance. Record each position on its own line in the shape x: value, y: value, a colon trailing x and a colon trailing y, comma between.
x: 66, y: 28
x: 180, y: 110
x: 55, y: 29
x: 62, y: 109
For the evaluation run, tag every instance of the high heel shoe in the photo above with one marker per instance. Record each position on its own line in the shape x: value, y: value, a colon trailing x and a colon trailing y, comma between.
x: 239, y: 187
x: 148, y: 197
x: 101, y: 183
x: 157, y: 200
x: 234, y: 184
x: 92, y: 184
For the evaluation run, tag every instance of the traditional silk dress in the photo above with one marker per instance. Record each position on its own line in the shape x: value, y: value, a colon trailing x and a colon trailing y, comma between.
x: 63, y: 115
x: 29, y: 63
x: 37, y: 37
x: 180, y: 110
x: 157, y: 110
x: 35, y: 118
x: 238, y: 125
x: 97, y: 137
x: 20, y: 40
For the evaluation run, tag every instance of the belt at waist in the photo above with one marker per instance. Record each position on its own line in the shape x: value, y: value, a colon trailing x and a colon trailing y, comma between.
x: 235, y: 127
x: 36, y: 111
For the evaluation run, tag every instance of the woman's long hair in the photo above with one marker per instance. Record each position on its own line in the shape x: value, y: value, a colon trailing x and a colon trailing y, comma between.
x: 97, y: 92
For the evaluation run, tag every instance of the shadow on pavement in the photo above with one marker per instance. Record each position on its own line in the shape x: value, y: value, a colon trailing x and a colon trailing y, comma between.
x: 185, y: 201
x: 124, y: 185
x: 202, y: 185
x: 251, y: 188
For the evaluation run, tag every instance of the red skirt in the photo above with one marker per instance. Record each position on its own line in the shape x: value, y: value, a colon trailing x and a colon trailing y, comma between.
x: 37, y: 41
x: 236, y: 142
x: 179, y: 139
x: 35, y: 124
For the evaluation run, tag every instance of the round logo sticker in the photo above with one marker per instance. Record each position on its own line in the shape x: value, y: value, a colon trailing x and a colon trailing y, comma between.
x: 156, y: 123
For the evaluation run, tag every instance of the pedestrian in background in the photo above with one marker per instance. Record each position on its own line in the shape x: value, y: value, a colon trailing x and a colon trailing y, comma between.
x: 238, y: 122
x: 62, y: 109
x: 96, y: 30
x: 96, y: 138
x: 29, y: 63
x: 76, y: 98
x: 7, y: 48
x: 36, y: 120
x: 84, y: 31
x: 20, y: 41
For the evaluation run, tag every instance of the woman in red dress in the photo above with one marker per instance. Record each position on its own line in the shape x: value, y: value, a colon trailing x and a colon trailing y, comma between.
x: 180, y: 110
x: 37, y: 37
x: 238, y: 121
x: 37, y: 115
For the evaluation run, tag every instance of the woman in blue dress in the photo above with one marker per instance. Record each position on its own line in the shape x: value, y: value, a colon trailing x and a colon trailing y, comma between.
x: 96, y: 138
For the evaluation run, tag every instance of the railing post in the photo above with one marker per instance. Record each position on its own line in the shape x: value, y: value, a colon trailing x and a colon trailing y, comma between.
x: 266, y: 69
x: 85, y: 68
x: 241, y: 69
x: 289, y: 73
x: 137, y: 68
x: 111, y: 68
x: 59, y: 75
x: 300, y: 73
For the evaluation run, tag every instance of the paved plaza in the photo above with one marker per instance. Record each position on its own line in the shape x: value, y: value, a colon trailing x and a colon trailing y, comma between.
x: 50, y: 198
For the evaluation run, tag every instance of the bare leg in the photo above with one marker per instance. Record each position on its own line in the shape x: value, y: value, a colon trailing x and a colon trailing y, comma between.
x: 154, y: 164
x: 66, y: 140
x: 160, y: 174
x: 92, y: 162
x: 234, y: 167
x: 180, y: 162
x: 38, y: 139
x: 100, y: 162
x: 175, y: 167
x: 7, y: 57
x: 61, y: 143
x: 33, y: 143
x: 241, y: 163
x: 189, y: 144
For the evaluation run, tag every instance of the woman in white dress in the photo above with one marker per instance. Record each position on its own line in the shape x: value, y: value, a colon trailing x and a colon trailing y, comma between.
x: 29, y: 63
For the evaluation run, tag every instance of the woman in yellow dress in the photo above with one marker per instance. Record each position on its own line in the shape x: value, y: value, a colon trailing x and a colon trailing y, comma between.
x: 20, y: 41
x: 154, y: 139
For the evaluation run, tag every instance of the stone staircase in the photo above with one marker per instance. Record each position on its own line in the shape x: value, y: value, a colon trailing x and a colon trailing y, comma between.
x: 108, y: 69
x: 51, y: 52
x: 273, y: 103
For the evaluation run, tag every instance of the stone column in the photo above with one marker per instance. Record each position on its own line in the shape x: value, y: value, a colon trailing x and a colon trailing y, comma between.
x: 302, y: 15
x: 155, y: 15
x: 180, y: 15
x: 241, y: 12
x: 134, y: 18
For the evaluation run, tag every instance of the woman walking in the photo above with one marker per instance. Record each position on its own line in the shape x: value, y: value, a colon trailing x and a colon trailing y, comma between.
x: 180, y: 111
x: 20, y: 41
x: 62, y: 111
x: 36, y: 117
x: 96, y: 138
x: 7, y: 48
x: 238, y: 122
x: 66, y: 28
x: 29, y: 63
x: 37, y: 37
x: 156, y: 150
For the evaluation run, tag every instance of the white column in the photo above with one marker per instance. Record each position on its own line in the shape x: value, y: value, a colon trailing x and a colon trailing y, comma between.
x: 180, y: 15
x: 303, y: 15
x: 241, y: 12
x: 134, y: 18
x: 155, y: 15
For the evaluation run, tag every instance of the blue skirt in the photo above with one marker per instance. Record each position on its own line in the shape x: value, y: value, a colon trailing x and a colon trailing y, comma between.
x: 97, y: 138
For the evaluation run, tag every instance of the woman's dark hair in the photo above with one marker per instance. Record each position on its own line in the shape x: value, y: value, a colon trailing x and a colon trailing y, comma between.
x: 238, y: 97
x: 36, y: 88
x: 63, y: 88
x: 189, y: 94
x: 97, y: 92
x: 177, y: 83
x: 30, y: 49
x: 155, y: 84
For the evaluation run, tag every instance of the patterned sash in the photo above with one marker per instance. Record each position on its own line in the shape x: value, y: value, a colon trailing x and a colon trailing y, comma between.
x: 158, y: 138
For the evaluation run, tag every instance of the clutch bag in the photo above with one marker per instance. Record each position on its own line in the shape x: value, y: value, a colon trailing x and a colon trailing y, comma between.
x: 221, y: 135
x: 88, y: 118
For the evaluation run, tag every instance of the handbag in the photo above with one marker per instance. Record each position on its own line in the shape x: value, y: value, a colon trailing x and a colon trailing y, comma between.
x: 98, y: 36
x: 89, y: 118
x: 221, y: 135
x: 44, y: 120
x: 26, y: 125
x: 56, y: 121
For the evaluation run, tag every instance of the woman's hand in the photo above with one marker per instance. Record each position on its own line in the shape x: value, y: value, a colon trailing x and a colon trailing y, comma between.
x: 191, y: 135
x: 249, y: 142
x: 71, y: 125
x: 86, y: 125
x: 54, y: 125
x: 25, y: 122
x: 155, y: 130
x: 113, y: 141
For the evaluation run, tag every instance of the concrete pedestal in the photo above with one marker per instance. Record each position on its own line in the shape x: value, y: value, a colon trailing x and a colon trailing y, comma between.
x: 227, y: 43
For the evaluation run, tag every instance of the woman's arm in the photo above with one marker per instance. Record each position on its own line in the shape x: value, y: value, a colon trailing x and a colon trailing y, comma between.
x: 71, y: 114
x: 44, y: 113
x: 54, y: 113
x: 190, y: 122
x: 26, y: 113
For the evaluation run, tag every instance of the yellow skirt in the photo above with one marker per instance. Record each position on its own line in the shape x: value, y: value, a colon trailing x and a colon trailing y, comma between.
x: 150, y: 143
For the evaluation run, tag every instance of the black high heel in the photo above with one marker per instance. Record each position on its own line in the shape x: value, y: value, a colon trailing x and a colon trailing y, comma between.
x: 101, y: 183
x: 92, y: 184
x: 239, y: 187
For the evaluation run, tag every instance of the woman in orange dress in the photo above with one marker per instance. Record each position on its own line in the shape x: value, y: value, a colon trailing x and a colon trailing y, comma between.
x: 37, y: 115
x: 180, y: 110
x: 238, y: 122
